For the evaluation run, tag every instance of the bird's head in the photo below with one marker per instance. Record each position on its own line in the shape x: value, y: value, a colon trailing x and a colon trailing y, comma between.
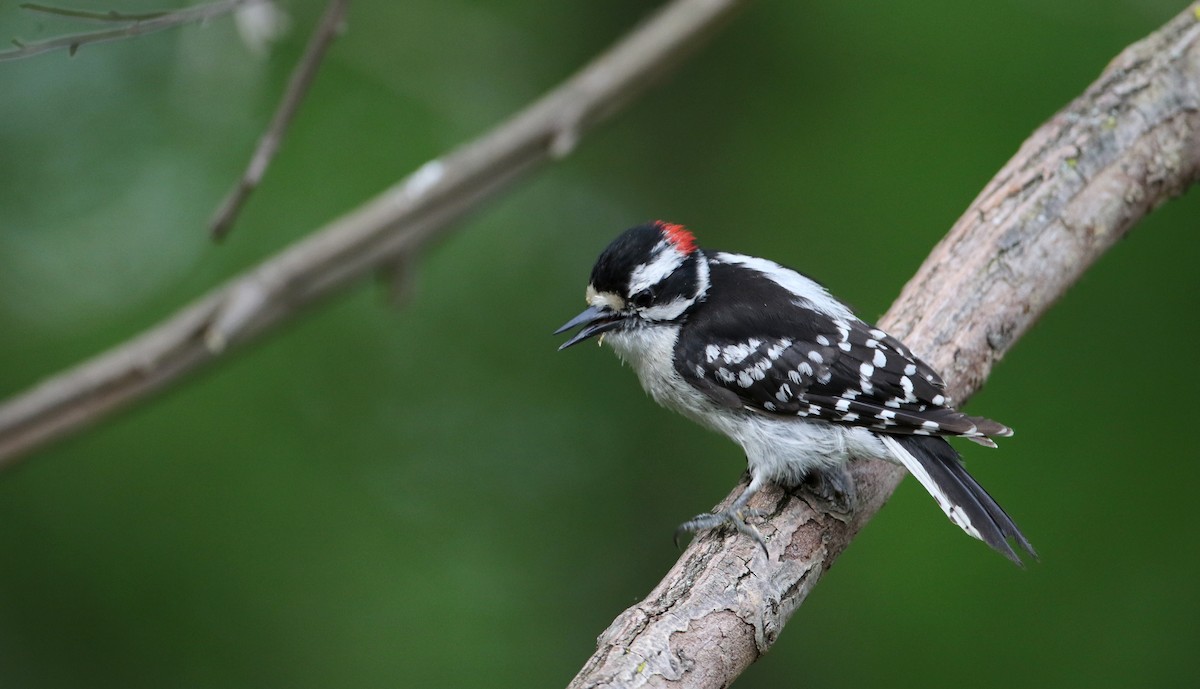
x: 651, y: 274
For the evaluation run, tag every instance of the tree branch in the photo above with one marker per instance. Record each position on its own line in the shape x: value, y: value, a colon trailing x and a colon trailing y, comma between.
x: 1076, y: 186
x: 109, y: 16
x: 139, y: 24
x: 298, y: 85
x: 386, y: 230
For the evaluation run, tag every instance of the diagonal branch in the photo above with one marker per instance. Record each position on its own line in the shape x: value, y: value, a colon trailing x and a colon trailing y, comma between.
x: 109, y: 16
x: 298, y: 85
x: 386, y: 230
x: 1076, y: 186
x: 138, y: 25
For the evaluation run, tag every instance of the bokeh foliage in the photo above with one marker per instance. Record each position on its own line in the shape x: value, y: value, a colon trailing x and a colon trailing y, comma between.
x: 432, y: 495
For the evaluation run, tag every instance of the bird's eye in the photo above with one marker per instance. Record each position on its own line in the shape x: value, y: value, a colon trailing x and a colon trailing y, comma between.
x: 642, y: 299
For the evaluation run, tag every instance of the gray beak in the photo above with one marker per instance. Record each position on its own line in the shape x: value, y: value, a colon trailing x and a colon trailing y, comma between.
x: 594, y: 320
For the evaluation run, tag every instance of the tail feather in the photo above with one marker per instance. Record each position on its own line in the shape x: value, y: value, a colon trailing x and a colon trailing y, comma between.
x: 936, y: 465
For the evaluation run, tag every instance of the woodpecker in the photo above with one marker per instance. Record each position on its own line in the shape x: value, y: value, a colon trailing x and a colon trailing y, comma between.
x: 766, y: 356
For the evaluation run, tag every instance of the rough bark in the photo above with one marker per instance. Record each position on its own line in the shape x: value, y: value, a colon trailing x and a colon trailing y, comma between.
x: 1075, y: 187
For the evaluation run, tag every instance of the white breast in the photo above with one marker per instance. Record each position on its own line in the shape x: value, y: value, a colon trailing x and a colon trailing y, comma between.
x: 649, y: 350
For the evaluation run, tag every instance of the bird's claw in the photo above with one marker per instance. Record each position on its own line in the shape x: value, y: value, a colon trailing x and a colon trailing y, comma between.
x: 735, y: 518
x: 835, y: 486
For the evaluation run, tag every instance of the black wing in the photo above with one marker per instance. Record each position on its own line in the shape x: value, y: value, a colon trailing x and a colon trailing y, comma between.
x: 807, y: 363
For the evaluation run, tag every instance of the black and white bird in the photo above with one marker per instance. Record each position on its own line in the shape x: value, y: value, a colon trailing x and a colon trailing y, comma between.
x: 769, y: 358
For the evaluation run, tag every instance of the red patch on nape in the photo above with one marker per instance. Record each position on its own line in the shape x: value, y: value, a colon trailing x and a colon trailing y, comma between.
x: 679, y: 236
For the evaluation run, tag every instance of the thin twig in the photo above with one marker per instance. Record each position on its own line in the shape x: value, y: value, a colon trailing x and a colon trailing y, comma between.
x: 109, y: 16
x: 298, y: 85
x: 138, y: 27
x: 1077, y: 185
x: 395, y: 224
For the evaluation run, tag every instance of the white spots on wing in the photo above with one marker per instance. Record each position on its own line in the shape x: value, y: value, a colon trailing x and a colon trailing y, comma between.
x: 747, y: 374
x: 748, y: 360
x: 776, y: 350
x: 784, y: 394
x: 877, y: 385
x: 735, y: 354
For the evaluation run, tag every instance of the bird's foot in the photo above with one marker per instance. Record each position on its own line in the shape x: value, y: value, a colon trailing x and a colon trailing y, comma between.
x: 732, y: 517
x: 835, y: 486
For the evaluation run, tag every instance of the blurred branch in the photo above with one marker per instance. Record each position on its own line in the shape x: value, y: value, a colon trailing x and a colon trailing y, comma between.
x: 298, y: 85
x: 385, y: 231
x: 110, y: 16
x: 139, y: 24
x: 1075, y: 187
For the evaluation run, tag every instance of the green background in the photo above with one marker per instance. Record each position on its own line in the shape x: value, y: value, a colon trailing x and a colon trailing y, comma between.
x: 433, y: 496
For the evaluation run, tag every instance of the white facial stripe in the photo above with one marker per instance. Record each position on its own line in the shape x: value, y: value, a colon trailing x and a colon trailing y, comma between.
x: 669, y: 311
x: 665, y: 260
x: 799, y: 285
x: 604, y: 299
x: 701, y: 274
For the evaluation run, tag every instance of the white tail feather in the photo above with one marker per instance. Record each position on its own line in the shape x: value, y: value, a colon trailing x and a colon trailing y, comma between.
x: 954, y: 511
